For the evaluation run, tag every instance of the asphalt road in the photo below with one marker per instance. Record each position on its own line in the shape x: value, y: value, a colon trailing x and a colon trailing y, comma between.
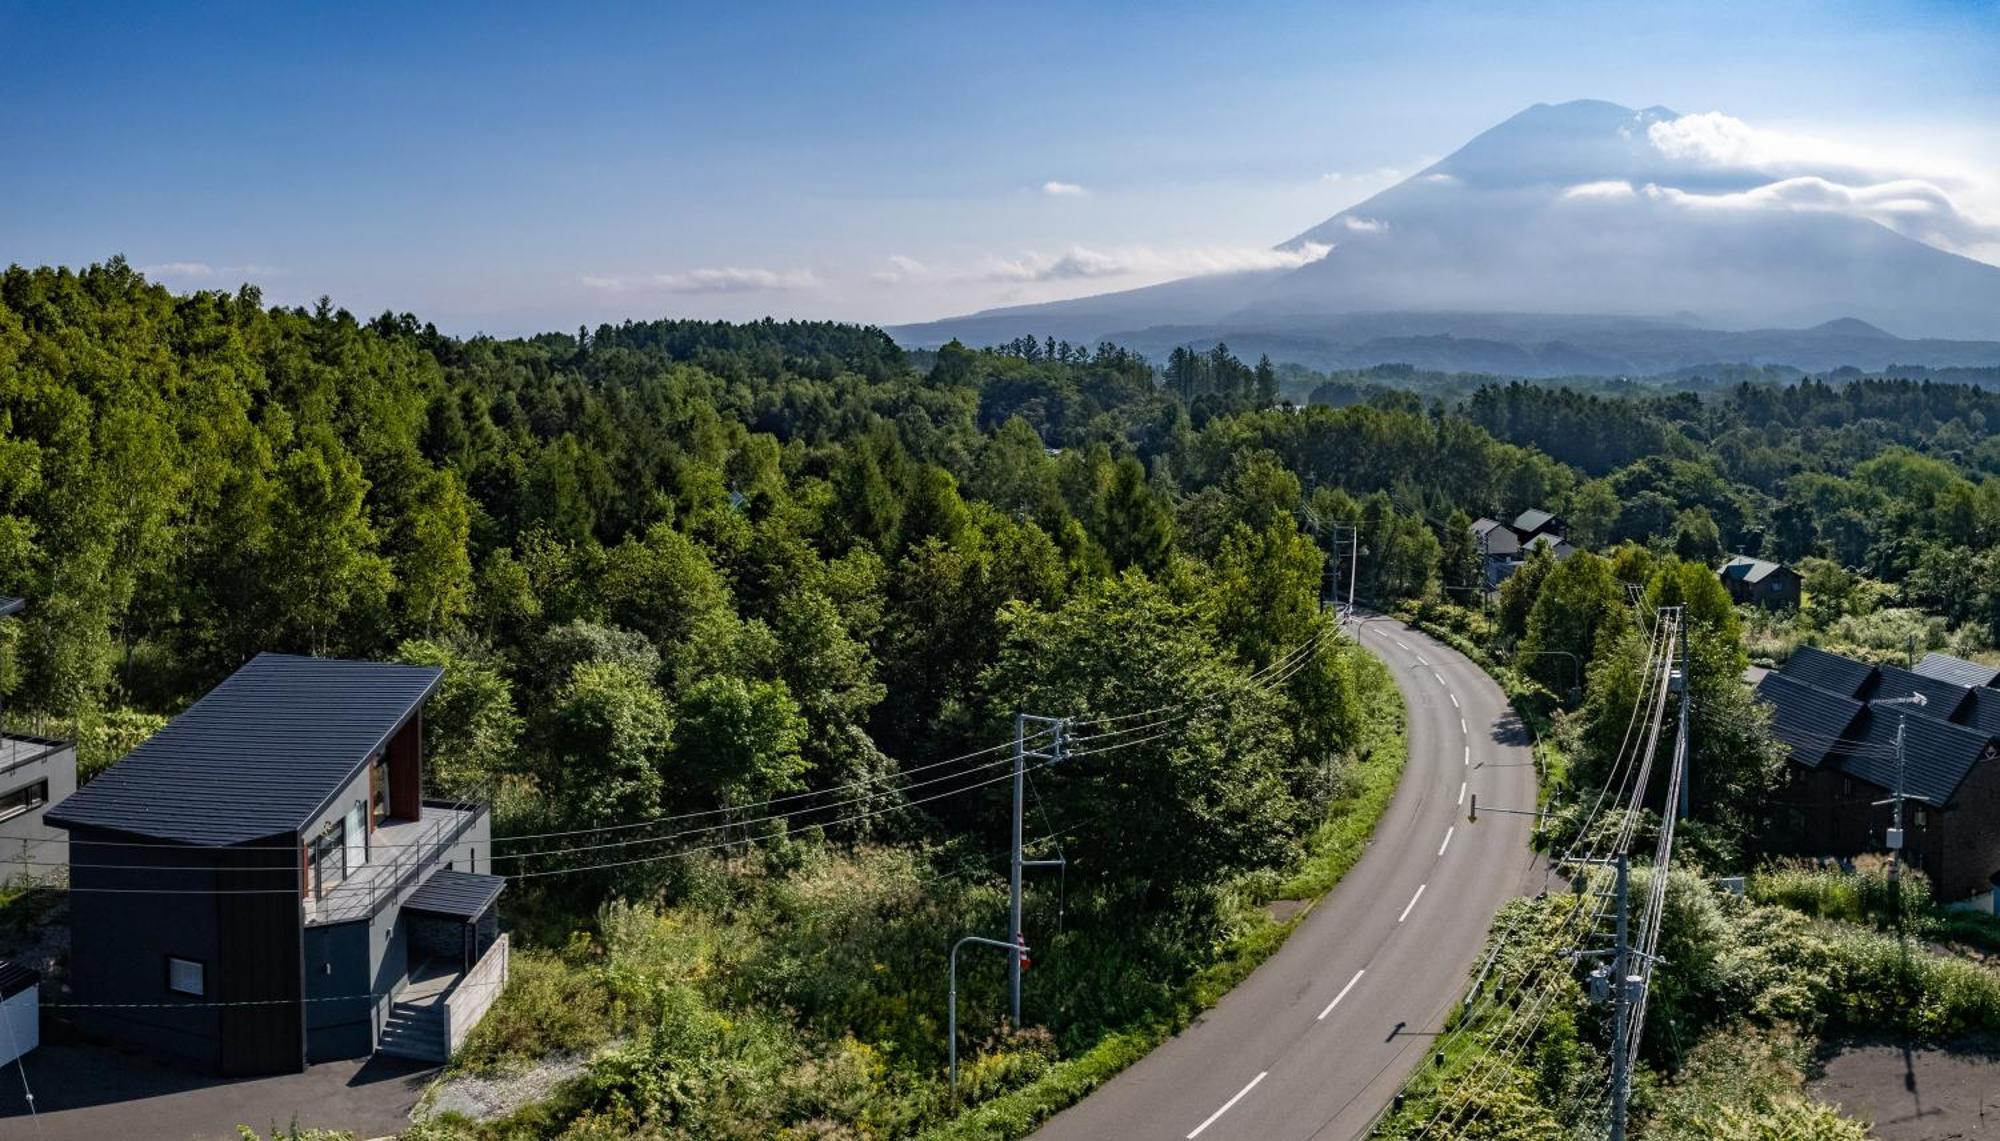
x: 1323, y: 1034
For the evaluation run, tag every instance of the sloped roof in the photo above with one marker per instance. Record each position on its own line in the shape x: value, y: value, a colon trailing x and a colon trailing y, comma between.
x: 1942, y: 699
x: 1533, y: 519
x: 463, y: 895
x: 1500, y: 541
x: 1809, y: 720
x: 15, y: 978
x: 1749, y: 569
x: 1937, y: 754
x: 1981, y: 711
x: 10, y: 606
x: 258, y: 755
x: 1831, y: 672
x: 1958, y: 671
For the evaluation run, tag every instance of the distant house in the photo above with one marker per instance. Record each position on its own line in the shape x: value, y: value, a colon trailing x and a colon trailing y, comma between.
x: 261, y: 885
x: 35, y: 772
x: 1503, y: 546
x: 1533, y: 522
x: 1760, y: 582
x: 1845, y: 766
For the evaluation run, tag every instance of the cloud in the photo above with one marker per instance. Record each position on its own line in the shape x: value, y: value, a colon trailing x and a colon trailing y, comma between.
x: 1382, y: 174
x: 1440, y: 178
x: 902, y: 269
x: 1361, y: 225
x: 727, y: 279
x: 1082, y: 262
x: 202, y: 271
x: 1612, y: 188
x: 1055, y: 189
x: 1912, y: 207
x: 1717, y: 141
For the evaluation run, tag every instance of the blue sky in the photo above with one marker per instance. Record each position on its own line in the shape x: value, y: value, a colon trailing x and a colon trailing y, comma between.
x: 515, y: 168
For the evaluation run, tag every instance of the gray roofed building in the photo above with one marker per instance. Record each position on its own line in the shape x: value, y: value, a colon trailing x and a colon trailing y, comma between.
x: 1810, y: 721
x: 1938, y: 755
x: 1942, y: 699
x: 1830, y: 672
x: 1496, y: 538
x: 1958, y: 671
x: 10, y: 606
x: 1535, y: 521
x: 259, y: 755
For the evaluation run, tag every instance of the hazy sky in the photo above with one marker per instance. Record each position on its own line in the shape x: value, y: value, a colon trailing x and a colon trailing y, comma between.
x: 511, y: 168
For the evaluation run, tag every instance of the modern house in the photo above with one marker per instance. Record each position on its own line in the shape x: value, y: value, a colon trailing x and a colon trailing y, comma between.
x: 1760, y: 582
x: 1504, y: 546
x: 1846, y: 765
x: 35, y: 772
x: 262, y: 885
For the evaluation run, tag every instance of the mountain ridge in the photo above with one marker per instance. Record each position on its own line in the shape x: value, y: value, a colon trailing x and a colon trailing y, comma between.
x: 1575, y: 212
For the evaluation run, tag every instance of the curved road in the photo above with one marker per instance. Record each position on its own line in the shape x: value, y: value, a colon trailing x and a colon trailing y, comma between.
x: 1321, y: 1036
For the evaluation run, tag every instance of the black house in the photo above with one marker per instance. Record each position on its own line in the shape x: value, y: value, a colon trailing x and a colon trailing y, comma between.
x: 1826, y: 709
x: 261, y: 885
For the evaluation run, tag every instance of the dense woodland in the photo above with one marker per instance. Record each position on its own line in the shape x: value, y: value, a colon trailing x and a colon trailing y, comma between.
x: 684, y: 567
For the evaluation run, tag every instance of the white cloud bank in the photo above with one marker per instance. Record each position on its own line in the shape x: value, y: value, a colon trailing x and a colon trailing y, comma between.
x: 727, y: 279
x: 1806, y: 174
x: 1082, y: 262
x: 203, y: 271
x: 1055, y: 189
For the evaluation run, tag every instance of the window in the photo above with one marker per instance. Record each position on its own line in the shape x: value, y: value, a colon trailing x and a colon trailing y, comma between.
x: 329, y: 857
x: 187, y: 976
x: 378, y: 789
x: 25, y: 799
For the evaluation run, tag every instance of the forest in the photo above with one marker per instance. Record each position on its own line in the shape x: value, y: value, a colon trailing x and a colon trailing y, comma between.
x: 674, y: 568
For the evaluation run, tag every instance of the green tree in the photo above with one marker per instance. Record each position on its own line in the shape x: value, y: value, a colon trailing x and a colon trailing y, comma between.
x: 326, y: 575
x: 471, y: 731
x: 738, y: 742
x: 609, y: 735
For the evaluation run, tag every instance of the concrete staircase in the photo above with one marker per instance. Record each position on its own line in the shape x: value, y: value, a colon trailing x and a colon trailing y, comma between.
x: 415, y: 1030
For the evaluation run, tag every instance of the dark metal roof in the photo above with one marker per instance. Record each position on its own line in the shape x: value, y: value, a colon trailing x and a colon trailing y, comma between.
x: 1750, y: 570
x: 1808, y: 720
x: 15, y: 978
x: 464, y: 895
x: 1942, y: 699
x: 1532, y: 520
x: 1958, y: 671
x: 10, y: 606
x: 1937, y: 754
x: 1831, y: 672
x: 1982, y: 711
x: 258, y: 755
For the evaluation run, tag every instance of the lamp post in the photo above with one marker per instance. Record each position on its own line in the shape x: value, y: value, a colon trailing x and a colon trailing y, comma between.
x: 1575, y: 666
x: 1019, y: 950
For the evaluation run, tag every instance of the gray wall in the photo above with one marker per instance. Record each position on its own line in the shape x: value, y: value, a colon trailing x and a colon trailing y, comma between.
x: 29, y: 849
x: 121, y: 937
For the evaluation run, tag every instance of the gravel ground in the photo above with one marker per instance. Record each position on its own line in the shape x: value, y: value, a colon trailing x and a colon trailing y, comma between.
x: 484, y: 1097
x: 1927, y: 1092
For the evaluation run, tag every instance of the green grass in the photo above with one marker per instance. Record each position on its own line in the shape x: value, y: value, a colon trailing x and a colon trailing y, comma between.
x: 1332, y: 850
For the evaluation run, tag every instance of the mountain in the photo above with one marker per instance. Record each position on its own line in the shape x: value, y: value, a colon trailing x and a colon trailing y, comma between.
x: 1581, y: 237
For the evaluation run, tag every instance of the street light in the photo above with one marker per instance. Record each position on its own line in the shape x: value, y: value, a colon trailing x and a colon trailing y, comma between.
x: 1575, y: 664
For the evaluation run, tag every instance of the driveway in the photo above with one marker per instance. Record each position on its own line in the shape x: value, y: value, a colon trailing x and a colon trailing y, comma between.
x: 87, y: 1092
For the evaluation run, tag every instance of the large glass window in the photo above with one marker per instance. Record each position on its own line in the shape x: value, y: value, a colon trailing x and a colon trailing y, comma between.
x: 23, y: 800
x: 329, y: 857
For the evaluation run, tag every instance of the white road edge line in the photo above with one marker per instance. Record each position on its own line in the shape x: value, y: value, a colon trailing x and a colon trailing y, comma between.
x: 1454, y: 699
x: 1468, y: 756
x: 1447, y: 839
x: 1341, y: 995
x: 1405, y: 915
x: 1225, y: 1106
x: 1462, y: 728
x: 1461, y: 793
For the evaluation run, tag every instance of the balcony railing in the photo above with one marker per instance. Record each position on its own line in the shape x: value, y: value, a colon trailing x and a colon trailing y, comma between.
x: 406, y: 852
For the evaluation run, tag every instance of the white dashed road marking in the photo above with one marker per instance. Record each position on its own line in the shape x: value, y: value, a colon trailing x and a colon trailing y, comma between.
x: 1342, y: 994
x: 1225, y: 1107
x: 1413, y: 902
x: 1461, y: 792
x: 1447, y: 839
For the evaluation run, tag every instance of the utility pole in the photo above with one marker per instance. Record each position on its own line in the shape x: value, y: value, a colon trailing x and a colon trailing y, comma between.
x: 1687, y: 700
x: 1621, y: 991
x: 1055, y: 725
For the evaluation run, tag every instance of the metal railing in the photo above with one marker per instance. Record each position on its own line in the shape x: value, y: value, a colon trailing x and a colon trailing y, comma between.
x: 381, y: 883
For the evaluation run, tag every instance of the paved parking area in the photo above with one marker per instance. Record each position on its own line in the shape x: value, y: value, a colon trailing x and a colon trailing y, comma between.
x: 87, y: 1092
